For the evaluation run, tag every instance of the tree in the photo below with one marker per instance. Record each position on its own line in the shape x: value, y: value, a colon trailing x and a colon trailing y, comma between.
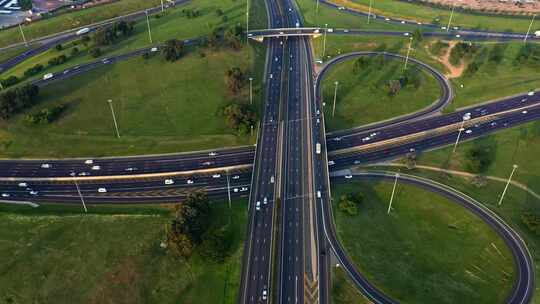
x: 217, y: 244
x: 239, y: 117
x: 173, y: 49
x: 74, y: 51
x: 233, y: 36
x: 219, y: 12
x: 59, y: 47
x: 95, y: 52
x: 235, y: 80
x: 479, y: 158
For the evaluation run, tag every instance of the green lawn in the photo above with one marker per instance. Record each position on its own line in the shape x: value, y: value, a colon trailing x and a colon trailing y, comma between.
x: 160, y: 107
x: 343, y: 291
x: 75, y: 19
x: 170, y: 24
x: 111, y: 255
x: 428, y: 250
x: 493, y: 80
x: 339, y: 19
x: 363, y: 96
x: 427, y: 14
x: 519, y: 145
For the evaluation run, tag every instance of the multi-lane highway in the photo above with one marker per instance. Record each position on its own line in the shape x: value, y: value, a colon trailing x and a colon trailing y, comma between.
x: 286, y: 176
x: 256, y: 281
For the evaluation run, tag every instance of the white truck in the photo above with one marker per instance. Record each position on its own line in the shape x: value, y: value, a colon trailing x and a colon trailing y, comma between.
x: 48, y: 76
x: 318, y: 148
x: 82, y: 31
x: 537, y: 34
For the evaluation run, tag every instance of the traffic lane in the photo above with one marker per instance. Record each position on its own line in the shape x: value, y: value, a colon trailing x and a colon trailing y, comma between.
x: 238, y: 183
x: 524, y: 284
x: 356, y: 158
x: 346, y: 139
x: 128, y: 165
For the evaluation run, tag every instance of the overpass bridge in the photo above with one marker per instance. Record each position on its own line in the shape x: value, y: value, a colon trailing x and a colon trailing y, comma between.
x: 259, y: 35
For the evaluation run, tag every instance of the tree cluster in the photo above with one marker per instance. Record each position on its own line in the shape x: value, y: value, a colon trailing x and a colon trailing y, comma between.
x: 235, y: 80
x: 529, y: 53
x: 58, y: 60
x: 231, y: 37
x: 33, y: 70
x: 462, y: 50
x: 410, y: 77
x: 16, y: 100
x: 46, y: 115
x: 531, y: 221
x: 111, y: 34
x: 239, y: 117
x: 479, y: 158
x: 25, y: 4
x: 349, y: 203
x: 189, y: 225
x: 191, y: 13
x: 173, y: 49
x: 11, y: 80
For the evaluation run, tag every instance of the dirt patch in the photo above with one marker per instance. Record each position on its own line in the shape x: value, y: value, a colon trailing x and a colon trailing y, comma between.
x: 451, y: 71
x: 493, y: 6
x: 118, y: 285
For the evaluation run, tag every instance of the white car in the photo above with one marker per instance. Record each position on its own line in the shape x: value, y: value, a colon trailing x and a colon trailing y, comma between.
x: 331, y: 162
x: 48, y: 76
x: 236, y: 177
x: 169, y: 181
x: 337, y: 139
x: 406, y: 34
x: 265, y: 200
x: 524, y: 112
x: 95, y: 168
x: 5, y: 195
x: 102, y: 190
x: 458, y: 36
x: 23, y: 185
x: 264, y: 294
x: 46, y: 166
x: 345, y: 30
x: 212, y: 154
x: 84, y: 173
x: 235, y: 190
x: 387, y: 19
x: 258, y: 205
x: 366, y: 139
x: 341, y: 8
x: 243, y: 189
x: 154, y: 49
x: 402, y: 21
x: 468, y: 131
x: 531, y: 93
x: 88, y: 161
x: 348, y: 176
x: 130, y: 169
x: 216, y: 176
x: 33, y: 193
x: 189, y: 182
x: 207, y: 163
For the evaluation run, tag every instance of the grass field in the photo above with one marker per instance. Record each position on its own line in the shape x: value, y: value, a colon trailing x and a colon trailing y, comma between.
x: 520, y: 146
x: 427, y: 14
x: 493, y: 80
x: 160, y: 107
x: 343, y: 291
x: 428, y: 250
x: 75, y: 19
x: 170, y: 24
x: 336, y: 18
x: 363, y: 96
x: 111, y: 255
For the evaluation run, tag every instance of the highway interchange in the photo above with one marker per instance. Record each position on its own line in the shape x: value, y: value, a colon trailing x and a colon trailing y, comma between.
x: 286, y: 179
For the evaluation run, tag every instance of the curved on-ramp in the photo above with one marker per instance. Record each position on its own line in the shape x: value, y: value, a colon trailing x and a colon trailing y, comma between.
x: 523, y: 287
x: 446, y: 90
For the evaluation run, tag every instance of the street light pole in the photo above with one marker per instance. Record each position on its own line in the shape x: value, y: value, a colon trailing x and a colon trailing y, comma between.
x: 22, y: 34
x: 369, y: 10
x: 317, y: 8
x: 514, y: 168
x: 408, y: 53
x: 148, y: 24
x: 114, y: 118
x: 162, y: 7
x: 529, y: 29
x: 79, y: 192
x: 461, y: 129
x: 250, y: 90
x: 247, y: 21
x: 228, y: 188
x: 392, y: 196
x: 451, y: 15
x: 324, y: 40
x: 335, y: 97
